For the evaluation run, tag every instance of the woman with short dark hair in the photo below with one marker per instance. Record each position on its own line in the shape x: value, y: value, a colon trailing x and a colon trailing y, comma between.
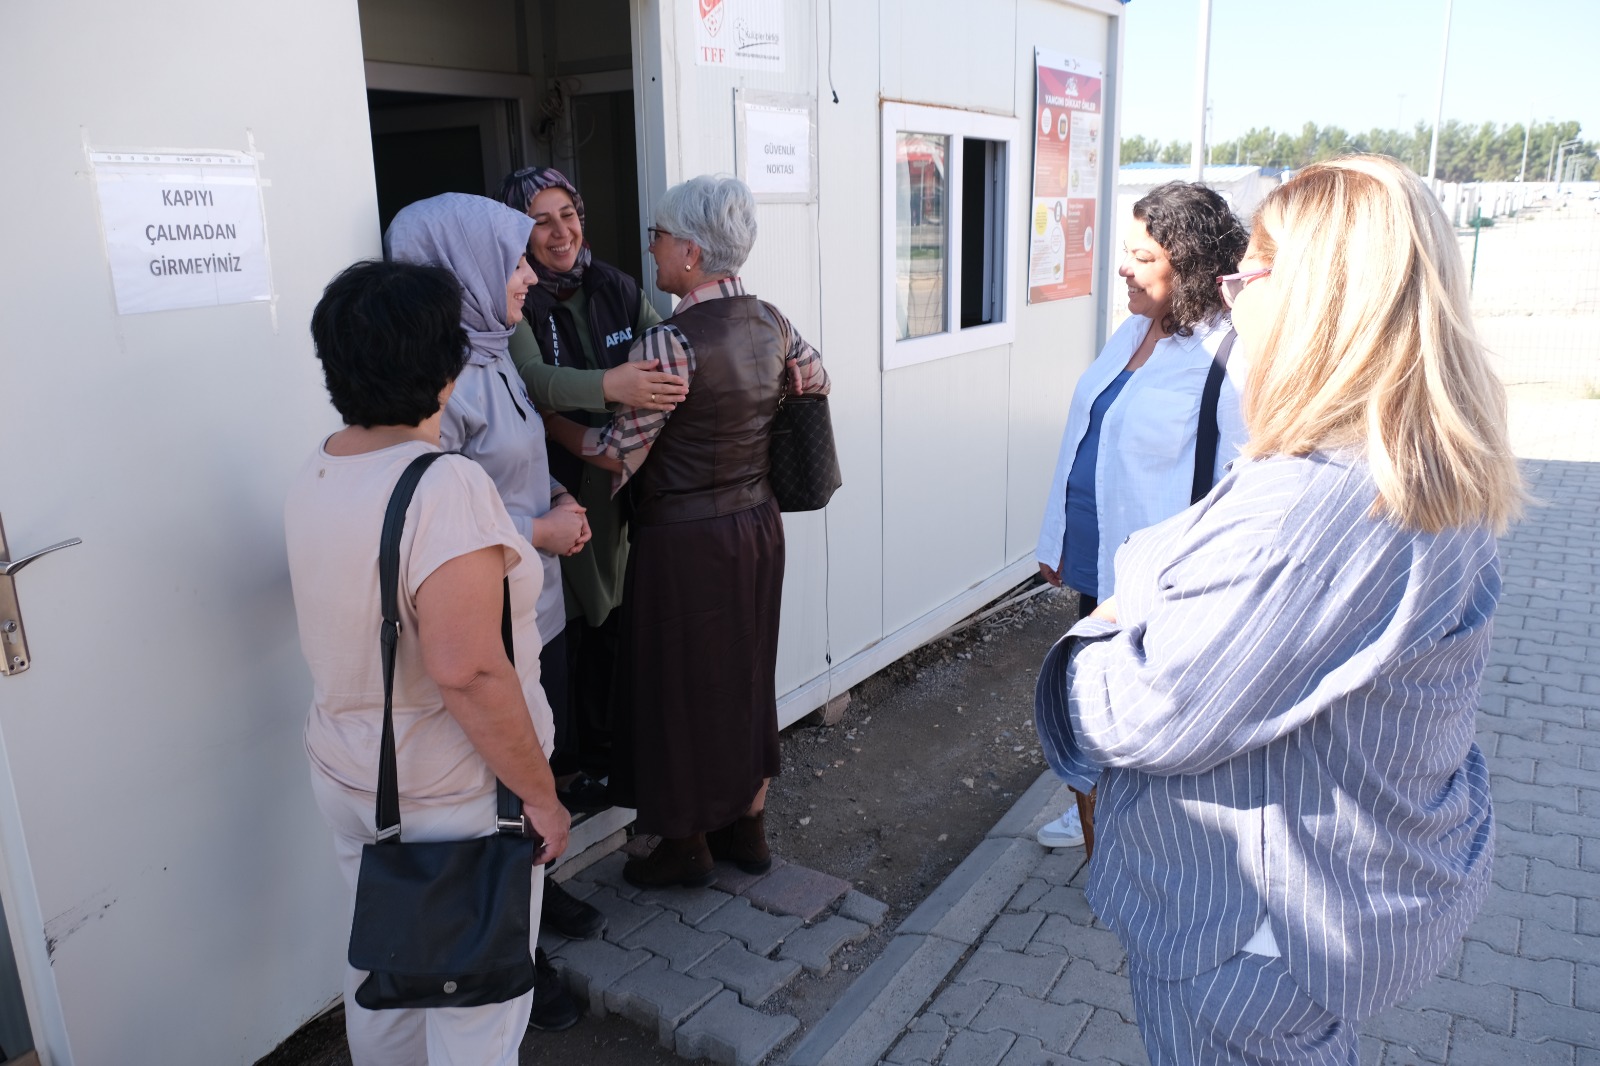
x: 392, y: 346
x: 1128, y: 454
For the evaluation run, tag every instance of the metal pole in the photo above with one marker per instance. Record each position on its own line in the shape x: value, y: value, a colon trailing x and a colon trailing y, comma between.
x: 1438, y: 108
x: 1477, y: 231
x: 1197, y: 154
x: 1527, y: 133
x: 1561, y: 158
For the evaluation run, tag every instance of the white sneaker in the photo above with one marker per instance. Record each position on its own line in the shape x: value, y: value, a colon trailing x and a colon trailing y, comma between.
x: 1064, y: 832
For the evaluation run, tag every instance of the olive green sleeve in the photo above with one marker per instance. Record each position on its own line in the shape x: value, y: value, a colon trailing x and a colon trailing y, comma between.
x: 648, y: 316
x: 555, y: 388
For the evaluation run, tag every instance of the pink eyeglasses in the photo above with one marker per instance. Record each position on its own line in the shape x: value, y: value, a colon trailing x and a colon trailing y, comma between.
x: 1233, y: 284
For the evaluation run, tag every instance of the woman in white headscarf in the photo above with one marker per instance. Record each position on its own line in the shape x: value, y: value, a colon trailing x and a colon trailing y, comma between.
x: 490, y: 418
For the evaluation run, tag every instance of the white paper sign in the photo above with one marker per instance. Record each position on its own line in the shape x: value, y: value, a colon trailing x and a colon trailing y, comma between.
x: 739, y: 33
x: 182, y: 230
x: 777, y: 150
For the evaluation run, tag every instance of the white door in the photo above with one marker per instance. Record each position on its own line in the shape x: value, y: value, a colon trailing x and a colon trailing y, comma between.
x: 167, y: 883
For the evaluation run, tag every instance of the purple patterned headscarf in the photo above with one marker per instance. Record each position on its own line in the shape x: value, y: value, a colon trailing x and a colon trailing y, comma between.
x: 518, y: 191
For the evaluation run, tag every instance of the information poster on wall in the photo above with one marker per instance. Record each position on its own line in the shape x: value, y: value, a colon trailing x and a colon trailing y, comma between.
x: 182, y: 230
x: 1067, y: 156
x: 775, y: 145
x: 739, y: 33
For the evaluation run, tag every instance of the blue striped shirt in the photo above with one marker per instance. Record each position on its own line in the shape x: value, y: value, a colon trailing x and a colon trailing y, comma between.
x: 1281, y: 726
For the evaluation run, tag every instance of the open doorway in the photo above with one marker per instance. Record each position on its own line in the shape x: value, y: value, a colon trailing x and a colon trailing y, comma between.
x: 461, y: 95
x: 424, y: 144
x: 605, y: 161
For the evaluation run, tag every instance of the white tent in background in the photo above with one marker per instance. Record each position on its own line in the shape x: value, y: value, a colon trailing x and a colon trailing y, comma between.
x: 1242, y: 186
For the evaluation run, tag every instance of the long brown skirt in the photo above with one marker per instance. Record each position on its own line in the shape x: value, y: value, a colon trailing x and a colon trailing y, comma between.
x: 699, y: 711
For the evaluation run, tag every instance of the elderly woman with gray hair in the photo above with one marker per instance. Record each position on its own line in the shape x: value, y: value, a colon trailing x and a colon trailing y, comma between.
x: 705, y: 576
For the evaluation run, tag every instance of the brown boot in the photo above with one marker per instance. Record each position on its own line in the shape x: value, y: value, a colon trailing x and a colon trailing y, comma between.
x: 744, y: 843
x: 682, y: 861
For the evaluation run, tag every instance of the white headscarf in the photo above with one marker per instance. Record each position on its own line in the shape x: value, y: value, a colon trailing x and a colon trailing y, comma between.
x: 479, y: 241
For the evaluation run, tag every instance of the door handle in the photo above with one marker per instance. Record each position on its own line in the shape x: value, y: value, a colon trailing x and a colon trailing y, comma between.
x: 7, y: 568
x: 13, y: 638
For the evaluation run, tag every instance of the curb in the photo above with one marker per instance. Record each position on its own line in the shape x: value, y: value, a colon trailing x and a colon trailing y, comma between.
x: 932, y: 940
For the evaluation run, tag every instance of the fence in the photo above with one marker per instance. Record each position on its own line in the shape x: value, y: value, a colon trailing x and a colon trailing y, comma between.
x: 1536, y: 286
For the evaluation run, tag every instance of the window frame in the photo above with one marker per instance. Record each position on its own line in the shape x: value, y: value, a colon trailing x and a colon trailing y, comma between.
x: 958, y: 126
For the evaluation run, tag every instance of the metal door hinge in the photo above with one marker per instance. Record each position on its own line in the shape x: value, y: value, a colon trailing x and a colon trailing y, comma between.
x: 13, y: 638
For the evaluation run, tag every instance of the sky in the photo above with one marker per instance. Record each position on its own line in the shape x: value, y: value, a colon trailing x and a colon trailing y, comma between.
x: 1360, y: 64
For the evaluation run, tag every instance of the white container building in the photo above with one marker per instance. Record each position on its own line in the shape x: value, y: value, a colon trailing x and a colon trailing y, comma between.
x: 167, y: 884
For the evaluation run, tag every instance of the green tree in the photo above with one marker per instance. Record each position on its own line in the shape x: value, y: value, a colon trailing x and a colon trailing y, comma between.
x: 1139, y: 150
x: 1485, y: 152
x: 1176, y: 152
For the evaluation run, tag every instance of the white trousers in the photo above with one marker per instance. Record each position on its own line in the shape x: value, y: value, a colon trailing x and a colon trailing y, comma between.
x: 439, y: 1036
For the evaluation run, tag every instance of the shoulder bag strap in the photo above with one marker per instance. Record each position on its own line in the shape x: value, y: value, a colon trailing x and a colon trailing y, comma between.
x: 509, y: 818
x: 387, y: 817
x: 394, y: 523
x: 1209, y: 431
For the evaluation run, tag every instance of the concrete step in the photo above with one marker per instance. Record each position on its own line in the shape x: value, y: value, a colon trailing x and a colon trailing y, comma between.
x: 694, y: 966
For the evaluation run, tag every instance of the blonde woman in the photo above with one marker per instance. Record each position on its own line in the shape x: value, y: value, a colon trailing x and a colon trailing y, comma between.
x: 1278, y: 704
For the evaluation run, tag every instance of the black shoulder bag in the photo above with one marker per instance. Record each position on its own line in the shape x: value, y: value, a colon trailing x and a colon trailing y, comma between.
x: 442, y: 924
x: 1208, y: 432
x: 803, y: 465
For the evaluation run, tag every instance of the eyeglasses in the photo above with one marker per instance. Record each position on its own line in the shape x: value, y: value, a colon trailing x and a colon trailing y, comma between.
x: 656, y: 233
x: 1233, y: 284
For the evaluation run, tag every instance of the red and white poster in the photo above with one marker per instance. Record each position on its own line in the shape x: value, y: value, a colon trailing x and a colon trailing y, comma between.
x: 1067, y: 153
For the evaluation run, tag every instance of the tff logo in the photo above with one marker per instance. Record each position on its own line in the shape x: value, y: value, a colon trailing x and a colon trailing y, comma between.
x: 711, y: 15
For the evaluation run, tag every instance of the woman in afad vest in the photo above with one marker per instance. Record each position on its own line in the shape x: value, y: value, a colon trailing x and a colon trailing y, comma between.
x: 572, y: 352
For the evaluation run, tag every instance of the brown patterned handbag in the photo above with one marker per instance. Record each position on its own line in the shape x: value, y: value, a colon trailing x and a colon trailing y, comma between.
x: 803, y: 463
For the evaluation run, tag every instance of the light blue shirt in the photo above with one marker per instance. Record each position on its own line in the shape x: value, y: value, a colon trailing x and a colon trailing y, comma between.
x: 1145, y: 467
x: 1281, y: 726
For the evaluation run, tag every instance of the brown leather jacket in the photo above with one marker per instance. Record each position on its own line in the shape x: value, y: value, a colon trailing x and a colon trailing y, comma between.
x: 711, y: 457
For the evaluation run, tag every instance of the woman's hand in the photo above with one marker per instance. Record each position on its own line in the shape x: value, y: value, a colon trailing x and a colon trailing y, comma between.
x: 566, y: 502
x: 562, y: 531
x: 1050, y: 576
x: 1107, y: 611
x: 644, y: 386
x: 551, y: 821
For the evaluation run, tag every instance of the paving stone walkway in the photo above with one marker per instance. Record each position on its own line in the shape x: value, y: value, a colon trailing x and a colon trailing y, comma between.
x: 1005, y: 965
x: 694, y: 966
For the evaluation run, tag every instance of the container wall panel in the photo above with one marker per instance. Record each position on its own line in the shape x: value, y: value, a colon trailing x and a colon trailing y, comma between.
x: 944, y: 496
x: 1056, y: 341
x: 950, y: 54
x: 186, y: 892
x: 428, y: 33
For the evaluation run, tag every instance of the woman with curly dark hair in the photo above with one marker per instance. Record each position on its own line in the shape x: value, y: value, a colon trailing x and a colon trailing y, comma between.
x: 1136, y: 447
